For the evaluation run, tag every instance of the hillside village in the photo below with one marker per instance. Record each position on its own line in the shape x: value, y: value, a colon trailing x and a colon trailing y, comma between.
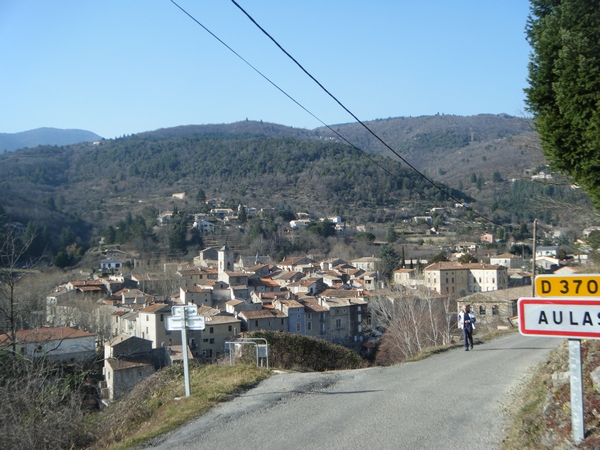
x: 125, y: 311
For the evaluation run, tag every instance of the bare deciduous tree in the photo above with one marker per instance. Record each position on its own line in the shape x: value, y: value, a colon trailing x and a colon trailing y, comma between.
x: 13, y: 301
x: 410, y: 322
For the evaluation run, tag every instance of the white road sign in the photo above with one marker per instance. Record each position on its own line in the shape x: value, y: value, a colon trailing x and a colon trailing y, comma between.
x: 176, y: 323
x: 559, y: 317
x: 178, y: 310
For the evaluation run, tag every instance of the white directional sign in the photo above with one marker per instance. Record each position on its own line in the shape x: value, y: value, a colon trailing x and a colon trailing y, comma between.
x: 560, y: 317
x: 176, y: 323
x: 179, y: 310
x: 185, y: 317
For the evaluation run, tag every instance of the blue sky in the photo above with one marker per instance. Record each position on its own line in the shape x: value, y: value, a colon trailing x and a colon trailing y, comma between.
x: 119, y: 67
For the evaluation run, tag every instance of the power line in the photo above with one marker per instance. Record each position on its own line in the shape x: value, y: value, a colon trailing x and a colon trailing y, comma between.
x: 414, y: 169
x: 430, y: 181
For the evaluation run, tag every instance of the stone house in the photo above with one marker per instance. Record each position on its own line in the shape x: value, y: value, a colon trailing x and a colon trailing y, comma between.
x: 507, y: 260
x: 456, y: 279
x: 220, y: 327
x: 151, y: 326
x: 368, y: 263
x: 494, y: 307
x: 62, y: 344
x: 268, y: 319
x: 127, y: 361
x: 295, y: 313
x: 316, y: 317
x: 197, y: 295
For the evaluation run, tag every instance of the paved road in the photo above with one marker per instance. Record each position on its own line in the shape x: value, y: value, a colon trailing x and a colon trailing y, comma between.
x: 449, y: 401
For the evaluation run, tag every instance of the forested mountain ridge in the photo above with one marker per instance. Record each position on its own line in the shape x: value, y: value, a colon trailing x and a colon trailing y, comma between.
x: 97, y: 184
x: 86, y: 187
x: 444, y: 147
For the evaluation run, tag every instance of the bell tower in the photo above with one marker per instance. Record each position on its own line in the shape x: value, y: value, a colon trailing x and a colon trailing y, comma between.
x: 225, y: 259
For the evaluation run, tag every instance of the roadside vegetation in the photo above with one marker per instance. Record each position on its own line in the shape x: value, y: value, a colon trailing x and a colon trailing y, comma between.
x: 158, y: 404
x: 542, y: 413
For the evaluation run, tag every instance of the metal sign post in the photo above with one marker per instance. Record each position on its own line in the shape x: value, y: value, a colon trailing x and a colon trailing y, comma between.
x: 577, y: 422
x: 185, y: 317
x: 574, y: 318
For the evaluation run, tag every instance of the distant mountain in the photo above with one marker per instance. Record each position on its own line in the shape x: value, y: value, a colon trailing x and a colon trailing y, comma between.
x: 244, y: 128
x: 44, y: 136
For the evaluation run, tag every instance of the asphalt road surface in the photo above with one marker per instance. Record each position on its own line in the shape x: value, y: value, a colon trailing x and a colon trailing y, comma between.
x: 453, y: 400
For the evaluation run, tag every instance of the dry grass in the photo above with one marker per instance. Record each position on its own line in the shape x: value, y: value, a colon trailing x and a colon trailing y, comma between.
x: 158, y: 405
x: 542, y: 416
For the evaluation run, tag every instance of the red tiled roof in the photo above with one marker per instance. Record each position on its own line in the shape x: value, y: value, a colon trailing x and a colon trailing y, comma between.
x: 46, y: 334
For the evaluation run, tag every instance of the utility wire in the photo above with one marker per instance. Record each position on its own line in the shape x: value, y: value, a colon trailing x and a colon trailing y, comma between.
x: 430, y: 181
x: 382, y: 167
x: 364, y: 153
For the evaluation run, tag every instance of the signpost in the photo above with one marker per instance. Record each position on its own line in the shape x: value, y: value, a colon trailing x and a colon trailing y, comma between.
x: 569, y: 308
x: 184, y: 317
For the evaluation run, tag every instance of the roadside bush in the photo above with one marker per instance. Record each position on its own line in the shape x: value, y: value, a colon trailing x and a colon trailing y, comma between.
x: 43, y: 406
x: 292, y: 351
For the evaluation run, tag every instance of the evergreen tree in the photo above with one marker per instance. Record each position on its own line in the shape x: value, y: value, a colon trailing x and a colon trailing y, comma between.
x: 391, y: 235
x: 564, y: 86
x: 389, y: 261
x: 201, y: 196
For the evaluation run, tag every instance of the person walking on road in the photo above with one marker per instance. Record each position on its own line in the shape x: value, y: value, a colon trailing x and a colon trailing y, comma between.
x: 466, y: 321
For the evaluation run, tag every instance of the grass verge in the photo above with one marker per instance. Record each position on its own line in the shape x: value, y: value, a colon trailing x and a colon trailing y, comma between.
x: 151, y: 408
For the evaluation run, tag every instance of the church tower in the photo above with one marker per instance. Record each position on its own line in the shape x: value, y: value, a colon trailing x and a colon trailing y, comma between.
x: 225, y: 259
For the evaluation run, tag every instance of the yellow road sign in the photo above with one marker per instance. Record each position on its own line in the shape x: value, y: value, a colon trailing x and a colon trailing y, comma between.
x: 567, y: 285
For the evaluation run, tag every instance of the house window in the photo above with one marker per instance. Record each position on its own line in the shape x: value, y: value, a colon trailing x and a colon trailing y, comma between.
x: 309, y: 316
x: 359, y: 308
x: 360, y: 317
x: 162, y: 317
x: 338, y: 323
x: 147, y: 317
x: 229, y: 328
x: 212, y: 341
x: 282, y: 322
x: 204, y: 340
x: 482, y: 310
x: 211, y: 330
x: 494, y: 310
x: 309, y: 326
x: 298, y: 327
x: 256, y: 323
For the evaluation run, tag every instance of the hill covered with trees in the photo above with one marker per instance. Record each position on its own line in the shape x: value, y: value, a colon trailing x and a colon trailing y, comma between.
x: 77, y: 191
